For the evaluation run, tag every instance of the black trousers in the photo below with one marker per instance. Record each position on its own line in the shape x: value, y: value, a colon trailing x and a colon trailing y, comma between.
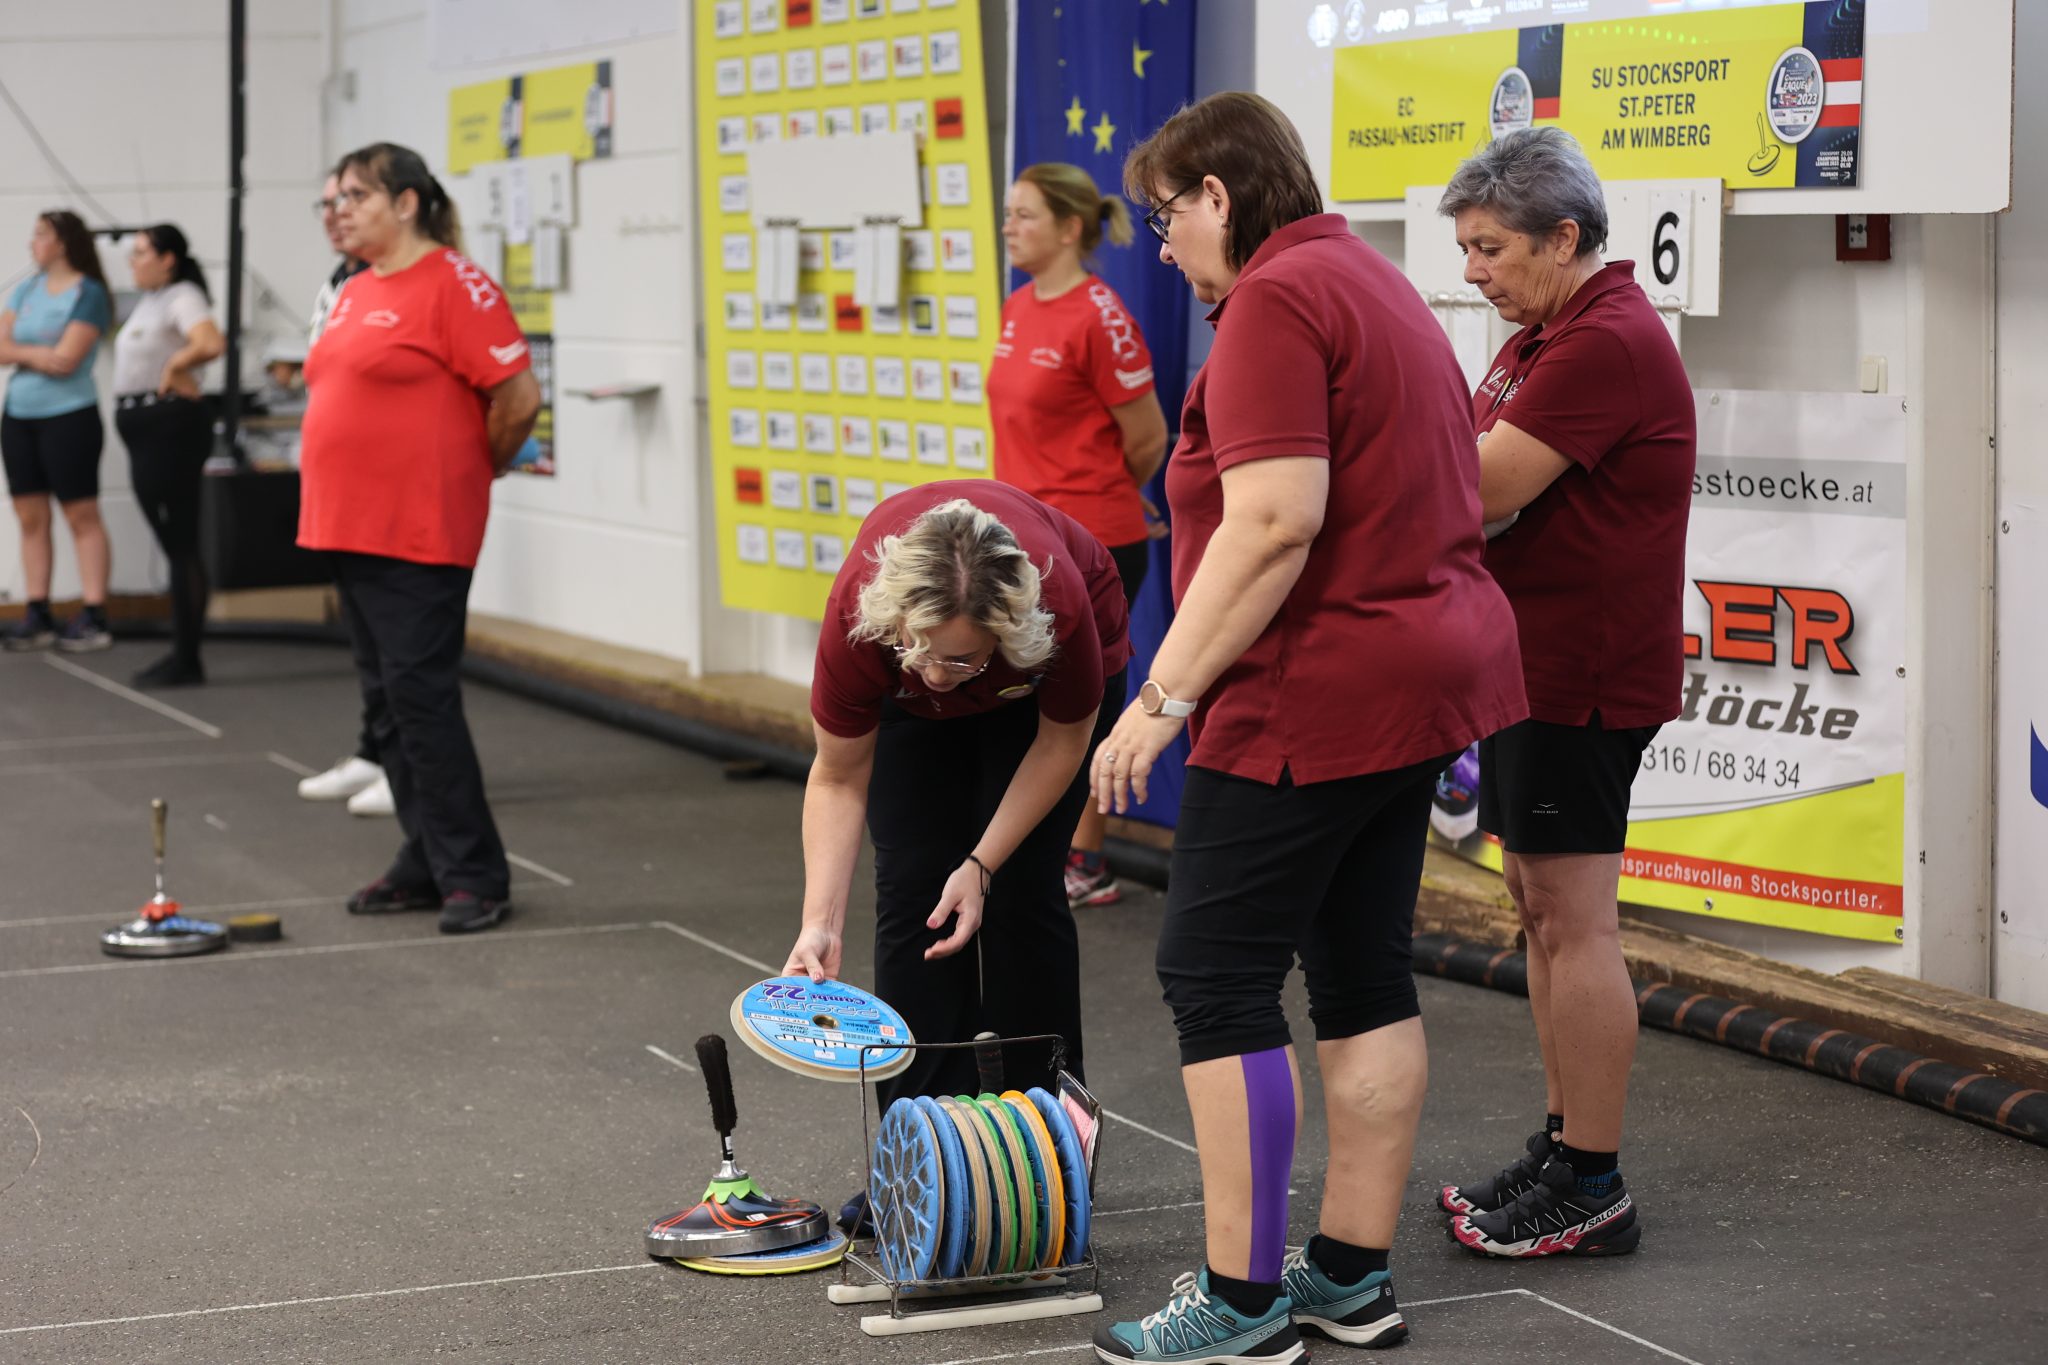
x: 935, y: 786
x: 168, y: 445
x: 1262, y: 874
x: 406, y: 623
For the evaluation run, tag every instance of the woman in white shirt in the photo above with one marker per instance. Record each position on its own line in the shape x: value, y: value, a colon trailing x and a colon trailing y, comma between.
x: 169, y: 434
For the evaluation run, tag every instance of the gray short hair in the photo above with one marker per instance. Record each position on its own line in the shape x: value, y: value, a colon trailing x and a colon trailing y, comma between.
x: 955, y: 560
x: 1532, y: 180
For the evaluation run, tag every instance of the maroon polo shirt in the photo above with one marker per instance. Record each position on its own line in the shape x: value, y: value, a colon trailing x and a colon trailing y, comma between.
x: 1394, y: 646
x: 1078, y: 583
x: 1595, y: 567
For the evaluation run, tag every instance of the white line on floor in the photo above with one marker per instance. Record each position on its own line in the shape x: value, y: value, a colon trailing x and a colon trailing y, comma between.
x: 715, y: 946
x: 531, y: 866
x: 206, y: 760
x: 1150, y: 1208
x: 1152, y: 1132
x: 90, y: 741
x: 673, y: 1060
x: 1018, y: 1355
x: 290, y: 765
x: 1610, y: 1327
x: 329, y: 1298
x: 217, y: 823
x: 130, y: 694
x: 1463, y: 1298
x: 202, y: 911
x: 260, y: 955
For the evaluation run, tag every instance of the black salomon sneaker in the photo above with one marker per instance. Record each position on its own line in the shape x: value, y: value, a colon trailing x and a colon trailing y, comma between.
x: 1361, y: 1314
x: 1555, y: 1219
x: 1498, y: 1192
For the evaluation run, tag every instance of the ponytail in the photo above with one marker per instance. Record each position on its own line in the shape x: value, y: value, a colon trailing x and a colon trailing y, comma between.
x: 166, y: 240
x: 1116, y: 221
x: 1070, y: 192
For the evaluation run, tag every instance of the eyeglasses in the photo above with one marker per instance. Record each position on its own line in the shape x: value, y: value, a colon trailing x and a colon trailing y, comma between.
x: 904, y: 657
x: 1158, y: 224
x: 322, y: 207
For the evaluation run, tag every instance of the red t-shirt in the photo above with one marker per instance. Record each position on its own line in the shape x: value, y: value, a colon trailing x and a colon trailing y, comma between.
x: 1078, y: 584
x: 393, y: 455
x: 1060, y: 366
x: 1394, y: 646
x: 1595, y: 567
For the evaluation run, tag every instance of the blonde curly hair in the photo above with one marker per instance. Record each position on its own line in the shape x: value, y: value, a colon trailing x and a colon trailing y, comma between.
x: 955, y: 560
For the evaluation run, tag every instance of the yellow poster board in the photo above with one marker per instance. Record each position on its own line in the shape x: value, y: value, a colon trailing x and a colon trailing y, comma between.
x: 564, y: 109
x: 820, y: 411
x: 476, y: 123
x: 1768, y: 97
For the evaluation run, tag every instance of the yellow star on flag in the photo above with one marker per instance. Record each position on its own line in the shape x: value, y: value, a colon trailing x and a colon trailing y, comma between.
x: 1138, y: 56
x: 1076, y: 116
x: 1104, y: 131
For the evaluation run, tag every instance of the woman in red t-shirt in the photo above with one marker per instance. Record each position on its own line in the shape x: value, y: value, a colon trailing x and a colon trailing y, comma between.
x: 419, y: 393
x: 973, y: 649
x: 1336, y: 640
x: 1070, y: 398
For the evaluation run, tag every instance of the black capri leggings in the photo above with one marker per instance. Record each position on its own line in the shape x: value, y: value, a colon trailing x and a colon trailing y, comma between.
x: 1264, y: 873
x: 168, y: 443
x: 935, y: 786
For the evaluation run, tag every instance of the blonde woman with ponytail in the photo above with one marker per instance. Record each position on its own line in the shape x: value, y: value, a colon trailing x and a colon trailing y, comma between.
x: 973, y: 650
x: 419, y: 393
x: 1070, y: 397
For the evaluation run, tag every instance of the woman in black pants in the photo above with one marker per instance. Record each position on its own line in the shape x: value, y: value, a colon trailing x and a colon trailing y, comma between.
x: 973, y: 648
x: 157, y: 356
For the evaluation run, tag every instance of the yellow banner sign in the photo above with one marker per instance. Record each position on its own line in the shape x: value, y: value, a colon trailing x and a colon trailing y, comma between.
x: 1763, y: 98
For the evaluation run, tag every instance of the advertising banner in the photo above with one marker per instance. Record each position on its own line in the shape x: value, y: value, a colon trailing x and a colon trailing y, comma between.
x: 822, y: 409
x: 563, y: 109
x: 1778, y: 795
x: 1762, y: 97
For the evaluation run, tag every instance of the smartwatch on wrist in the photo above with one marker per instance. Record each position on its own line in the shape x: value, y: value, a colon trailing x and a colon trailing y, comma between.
x: 1153, y: 701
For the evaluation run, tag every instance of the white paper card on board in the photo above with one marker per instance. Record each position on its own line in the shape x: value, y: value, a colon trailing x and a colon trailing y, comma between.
x: 845, y: 250
x: 885, y: 322
x: 818, y: 430
x: 874, y: 118
x: 766, y: 75
x: 810, y: 247
x: 834, y: 11
x: 895, y: 439
x: 817, y: 372
x: 920, y: 251
x: 518, y: 204
x: 800, y: 68
x: 744, y: 426
x: 824, y: 493
x: 970, y: 448
x: 778, y: 371
x: 813, y: 313
x: 956, y: 250
x: 764, y: 16
x: 839, y: 121
x: 907, y: 59
x: 835, y: 65
x: 927, y: 381
x: 776, y: 317
x: 782, y: 431
x: 729, y: 77
x: 963, y: 316
x: 860, y: 497
x: 853, y: 375
x: 736, y: 251
x: 952, y: 184
x: 803, y: 123
x: 732, y: 194
x: 891, y: 378
x: 752, y: 543
x: 786, y: 490
x: 965, y: 381
x: 789, y: 549
x: 732, y: 135
x: 946, y: 52
x: 729, y: 20
x: 931, y: 443
x: 856, y: 436
x: 910, y: 116
x: 871, y: 60
x: 828, y: 552
x: 742, y: 370
x: 739, y: 312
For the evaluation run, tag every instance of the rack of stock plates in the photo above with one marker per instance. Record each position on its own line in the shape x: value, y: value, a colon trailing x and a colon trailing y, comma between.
x: 981, y: 1204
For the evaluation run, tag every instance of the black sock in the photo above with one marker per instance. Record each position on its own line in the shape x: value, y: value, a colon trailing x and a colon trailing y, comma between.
x: 39, y: 607
x: 1595, y: 1172
x: 1343, y: 1262
x: 1252, y: 1298
x: 1553, y: 1124
x: 96, y: 614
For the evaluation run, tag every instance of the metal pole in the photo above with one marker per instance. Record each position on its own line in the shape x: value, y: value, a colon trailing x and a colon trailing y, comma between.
x: 238, y: 127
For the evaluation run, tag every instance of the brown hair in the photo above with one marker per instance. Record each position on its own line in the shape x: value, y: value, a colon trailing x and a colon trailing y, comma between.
x: 1245, y: 142
x: 1070, y: 192
x: 395, y: 169
x: 76, y: 239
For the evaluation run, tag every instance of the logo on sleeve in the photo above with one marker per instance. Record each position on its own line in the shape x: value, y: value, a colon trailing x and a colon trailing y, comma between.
x: 483, y: 294
x: 1134, y: 379
x: 1116, y: 323
x: 505, y: 355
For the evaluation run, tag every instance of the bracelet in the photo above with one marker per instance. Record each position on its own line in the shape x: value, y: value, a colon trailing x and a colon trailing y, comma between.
x: 987, y: 873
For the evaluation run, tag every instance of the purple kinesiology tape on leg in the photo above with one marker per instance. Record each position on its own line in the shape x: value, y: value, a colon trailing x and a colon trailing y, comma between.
x: 1269, y: 1106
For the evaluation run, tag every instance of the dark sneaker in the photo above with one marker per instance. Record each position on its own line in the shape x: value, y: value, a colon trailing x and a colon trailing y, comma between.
x: 1498, y: 1192
x: 83, y: 635
x: 1555, y: 1218
x: 854, y: 1219
x: 1090, y: 888
x: 465, y: 912
x: 1196, y: 1328
x: 1362, y: 1314
x: 33, y: 631
x: 385, y: 897
x: 171, y: 671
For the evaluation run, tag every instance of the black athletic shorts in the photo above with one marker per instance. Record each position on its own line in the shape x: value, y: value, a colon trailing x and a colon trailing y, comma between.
x: 1547, y: 788
x: 56, y: 455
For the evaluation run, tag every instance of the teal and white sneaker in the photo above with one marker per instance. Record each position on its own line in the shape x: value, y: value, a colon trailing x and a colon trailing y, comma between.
x: 1362, y: 1314
x: 1196, y: 1328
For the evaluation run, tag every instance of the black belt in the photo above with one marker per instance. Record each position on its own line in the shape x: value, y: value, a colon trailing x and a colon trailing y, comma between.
x: 125, y: 401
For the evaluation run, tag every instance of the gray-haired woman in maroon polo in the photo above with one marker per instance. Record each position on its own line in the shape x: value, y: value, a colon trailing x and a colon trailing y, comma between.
x: 1586, y: 439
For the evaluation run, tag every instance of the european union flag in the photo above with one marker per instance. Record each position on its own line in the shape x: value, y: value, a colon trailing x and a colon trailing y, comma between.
x: 1094, y: 78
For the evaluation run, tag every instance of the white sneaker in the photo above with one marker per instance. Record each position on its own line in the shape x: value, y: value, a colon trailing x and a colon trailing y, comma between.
x: 374, y: 799
x: 341, y: 781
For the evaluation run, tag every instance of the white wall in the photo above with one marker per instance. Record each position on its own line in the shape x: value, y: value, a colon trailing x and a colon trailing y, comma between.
x: 131, y: 96
x: 608, y: 548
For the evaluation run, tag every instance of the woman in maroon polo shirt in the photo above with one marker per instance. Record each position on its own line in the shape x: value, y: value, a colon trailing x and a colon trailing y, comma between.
x: 973, y: 650
x: 1336, y: 641
x: 1586, y: 441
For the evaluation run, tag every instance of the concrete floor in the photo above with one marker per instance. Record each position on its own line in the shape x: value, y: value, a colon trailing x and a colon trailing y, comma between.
x: 373, y: 1142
